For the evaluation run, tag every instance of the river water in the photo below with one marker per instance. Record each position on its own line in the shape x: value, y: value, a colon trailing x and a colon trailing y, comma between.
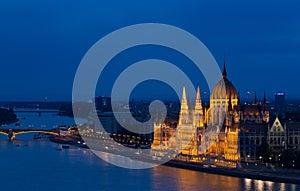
x: 28, y: 164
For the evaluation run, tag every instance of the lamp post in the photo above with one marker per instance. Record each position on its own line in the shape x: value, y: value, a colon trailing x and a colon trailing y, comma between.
x: 247, y: 97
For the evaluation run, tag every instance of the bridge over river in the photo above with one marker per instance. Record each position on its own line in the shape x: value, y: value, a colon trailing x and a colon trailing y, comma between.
x: 11, y: 133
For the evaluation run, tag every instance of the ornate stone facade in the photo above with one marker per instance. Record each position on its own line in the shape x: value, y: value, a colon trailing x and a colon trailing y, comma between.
x: 215, y: 130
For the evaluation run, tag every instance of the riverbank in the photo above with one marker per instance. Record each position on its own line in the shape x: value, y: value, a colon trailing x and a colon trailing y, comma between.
x: 275, y: 176
x: 70, y: 140
x: 7, y: 116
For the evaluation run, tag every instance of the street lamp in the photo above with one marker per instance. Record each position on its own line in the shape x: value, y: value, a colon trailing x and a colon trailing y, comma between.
x: 260, y: 158
x: 247, y: 97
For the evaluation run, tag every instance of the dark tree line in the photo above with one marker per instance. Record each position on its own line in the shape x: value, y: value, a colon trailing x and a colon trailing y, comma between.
x: 7, y: 116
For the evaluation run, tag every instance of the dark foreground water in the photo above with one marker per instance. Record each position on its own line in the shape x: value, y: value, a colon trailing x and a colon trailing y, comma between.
x: 38, y: 165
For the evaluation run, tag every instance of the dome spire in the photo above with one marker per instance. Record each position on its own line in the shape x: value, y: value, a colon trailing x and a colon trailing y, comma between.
x: 224, y: 73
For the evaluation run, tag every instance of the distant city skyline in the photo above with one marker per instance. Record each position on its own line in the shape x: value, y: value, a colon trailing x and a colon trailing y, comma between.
x: 42, y: 43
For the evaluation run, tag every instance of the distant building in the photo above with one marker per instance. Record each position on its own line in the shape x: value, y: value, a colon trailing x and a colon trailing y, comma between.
x: 103, y: 103
x: 280, y: 103
x: 109, y: 122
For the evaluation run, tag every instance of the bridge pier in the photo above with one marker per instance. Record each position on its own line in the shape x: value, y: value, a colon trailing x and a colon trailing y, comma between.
x: 11, y: 135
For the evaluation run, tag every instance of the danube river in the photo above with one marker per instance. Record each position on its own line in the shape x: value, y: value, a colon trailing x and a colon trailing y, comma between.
x: 37, y: 165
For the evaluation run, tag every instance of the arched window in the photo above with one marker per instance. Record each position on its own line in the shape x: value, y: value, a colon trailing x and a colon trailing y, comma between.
x: 252, y: 141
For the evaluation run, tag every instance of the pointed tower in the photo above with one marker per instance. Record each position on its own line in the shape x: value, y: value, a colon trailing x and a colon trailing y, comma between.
x: 237, y: 111
x: 185, y: 133
x: 198, y: 117
x: 184, y: 109
x: 158, y: 134
x: 265, y: 112
x: 224, y: 72
x: 255, y: 98
x: 229, y: 118
x: 265, y: 102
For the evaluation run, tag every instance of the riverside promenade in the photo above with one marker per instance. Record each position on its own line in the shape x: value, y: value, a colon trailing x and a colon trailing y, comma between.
x: 275, y: 175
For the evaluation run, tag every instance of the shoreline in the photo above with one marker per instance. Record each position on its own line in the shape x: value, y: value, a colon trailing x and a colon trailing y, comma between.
x: 234, y: 172
x: 263, y: 175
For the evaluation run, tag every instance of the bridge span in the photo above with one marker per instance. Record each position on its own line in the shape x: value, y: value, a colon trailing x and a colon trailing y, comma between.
x: 11, y: 133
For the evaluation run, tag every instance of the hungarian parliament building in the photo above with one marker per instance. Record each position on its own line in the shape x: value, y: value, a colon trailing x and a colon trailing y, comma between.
x: 226, y: 129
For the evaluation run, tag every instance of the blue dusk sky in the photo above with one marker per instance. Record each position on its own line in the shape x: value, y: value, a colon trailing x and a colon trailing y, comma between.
x: 43, y: 42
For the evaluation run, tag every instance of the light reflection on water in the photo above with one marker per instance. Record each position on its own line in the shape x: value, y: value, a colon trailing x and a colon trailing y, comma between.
x: 268, y: 185
x: 38, y: 165
x: 181, y: 179
x: 34, y: 164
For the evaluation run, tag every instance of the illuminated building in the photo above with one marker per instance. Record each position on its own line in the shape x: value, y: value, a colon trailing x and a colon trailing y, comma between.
x: 223, y: 116
x: 191, y: 122
x: 253, y: 129
x: 284, y: 136
x: 215, y: 131
x: 162, y: 136
x: 277, y: 136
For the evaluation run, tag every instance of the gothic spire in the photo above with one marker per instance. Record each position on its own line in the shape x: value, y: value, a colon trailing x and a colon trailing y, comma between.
x: 198, y: 118
x: 224, y: 73
x: 265, y: 102
x: 198, y: 93
x: 255, y: 98
x: 198, y: 102
x: 184, y: 109
x: 184, y: 104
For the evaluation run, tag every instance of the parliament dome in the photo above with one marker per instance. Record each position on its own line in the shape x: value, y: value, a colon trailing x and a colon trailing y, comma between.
x: 224, y: 88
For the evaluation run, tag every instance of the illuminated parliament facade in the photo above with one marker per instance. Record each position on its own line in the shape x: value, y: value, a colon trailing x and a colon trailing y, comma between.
x: 216, y: 130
